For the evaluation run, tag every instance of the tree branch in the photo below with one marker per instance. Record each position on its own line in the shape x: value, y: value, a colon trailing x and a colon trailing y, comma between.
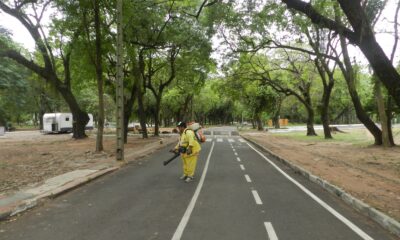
x: 319, y: 19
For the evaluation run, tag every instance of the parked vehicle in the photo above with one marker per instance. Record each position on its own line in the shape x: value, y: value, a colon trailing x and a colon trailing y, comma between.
x: 61, y: 122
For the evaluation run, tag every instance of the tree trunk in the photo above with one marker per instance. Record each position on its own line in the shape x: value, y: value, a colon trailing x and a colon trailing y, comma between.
x: 253, y: 123
x: 80, y: 118
x: 389, y: 115
x: 126, y: 123
x: 42, y: 109
x: 259, y: 123
x: 185, y: 108
x: 310, y: 122
x: 140, y: 95
x: 277, y: 113
x: 390, y: 130
x: 128, y: 108
x: 310, y: 111
x: 325, y: 115
x: 324, y: 72
x: 362, y: 115
x: 382, y: 113
x: 275, y: 122
x: 348, y: 73
x: 99, y: 75
x: 142, y: 115
x: 326, y: 95
x: 157, y: 117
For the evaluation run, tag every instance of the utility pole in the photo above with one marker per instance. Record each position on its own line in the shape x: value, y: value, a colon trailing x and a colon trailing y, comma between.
x: 120, y: 86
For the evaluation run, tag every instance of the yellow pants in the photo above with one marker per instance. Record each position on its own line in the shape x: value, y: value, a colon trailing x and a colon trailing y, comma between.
x: 189, y: 164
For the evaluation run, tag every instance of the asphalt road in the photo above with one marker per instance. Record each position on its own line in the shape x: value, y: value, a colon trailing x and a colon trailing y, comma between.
x: 237, y: 194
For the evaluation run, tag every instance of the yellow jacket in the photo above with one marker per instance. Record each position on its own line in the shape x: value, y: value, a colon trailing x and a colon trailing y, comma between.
x: 187, y: 139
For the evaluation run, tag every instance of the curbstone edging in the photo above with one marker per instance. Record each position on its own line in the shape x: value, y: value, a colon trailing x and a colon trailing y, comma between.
x: 76, y: 183
x: 382, y: 219
x: 26, y: 205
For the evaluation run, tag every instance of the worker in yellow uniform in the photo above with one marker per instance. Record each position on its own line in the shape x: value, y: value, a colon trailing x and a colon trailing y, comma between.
x: 189, y: 148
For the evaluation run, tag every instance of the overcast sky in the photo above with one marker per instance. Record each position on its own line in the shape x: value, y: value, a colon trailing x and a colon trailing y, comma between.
x: 21, y: 35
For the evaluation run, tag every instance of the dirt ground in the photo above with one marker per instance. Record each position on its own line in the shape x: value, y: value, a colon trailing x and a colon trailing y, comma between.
x: 370, y: 173
x: 28, y: 158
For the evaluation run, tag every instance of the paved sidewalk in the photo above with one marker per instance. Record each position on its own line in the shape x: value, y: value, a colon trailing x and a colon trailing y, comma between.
x: 29, y: 198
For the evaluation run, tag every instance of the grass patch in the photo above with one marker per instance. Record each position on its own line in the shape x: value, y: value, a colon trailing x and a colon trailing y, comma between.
x: 355, y: 137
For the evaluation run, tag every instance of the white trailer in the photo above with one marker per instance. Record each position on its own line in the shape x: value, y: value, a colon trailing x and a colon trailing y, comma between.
x: 61, y: 122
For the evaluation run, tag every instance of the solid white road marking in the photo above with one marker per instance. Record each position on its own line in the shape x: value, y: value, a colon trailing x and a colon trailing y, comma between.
x: 220, y: 140
x: 270, y: 231
x: 248, y: 179
x: 256, y: 197
x: 347, y: 222
x: 185, y: 219
x: 238, y: 159
x: 242, y: 140
x: 242, y: 167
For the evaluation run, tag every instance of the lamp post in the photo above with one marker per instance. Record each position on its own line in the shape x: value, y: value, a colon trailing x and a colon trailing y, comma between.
x: 120, y: 86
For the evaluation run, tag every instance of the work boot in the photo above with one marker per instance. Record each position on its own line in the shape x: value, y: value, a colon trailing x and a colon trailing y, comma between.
x: 183, y: 177
x: 189, y: 179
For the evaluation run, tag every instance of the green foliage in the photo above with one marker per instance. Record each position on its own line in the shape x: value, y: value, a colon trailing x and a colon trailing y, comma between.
x: 154, y: 29
x: 16, y: 94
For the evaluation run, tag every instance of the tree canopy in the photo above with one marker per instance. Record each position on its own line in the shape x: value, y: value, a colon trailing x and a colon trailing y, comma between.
x: 216, y: 62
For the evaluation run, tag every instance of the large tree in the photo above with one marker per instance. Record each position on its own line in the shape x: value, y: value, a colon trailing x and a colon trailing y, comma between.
x: 47, y: 68
x: 358, y: 31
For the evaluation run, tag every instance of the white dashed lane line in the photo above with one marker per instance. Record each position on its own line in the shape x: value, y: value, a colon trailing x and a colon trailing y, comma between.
x: 270, y: 231
x: 256, y: 197
x: 248, y: 179
x: 238, y: 159
x: 242, y: 167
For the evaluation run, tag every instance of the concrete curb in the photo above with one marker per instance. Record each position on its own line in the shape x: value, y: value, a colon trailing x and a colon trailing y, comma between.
x: 77, y: 182
x: 21, y: 206
x: 382, y: 219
